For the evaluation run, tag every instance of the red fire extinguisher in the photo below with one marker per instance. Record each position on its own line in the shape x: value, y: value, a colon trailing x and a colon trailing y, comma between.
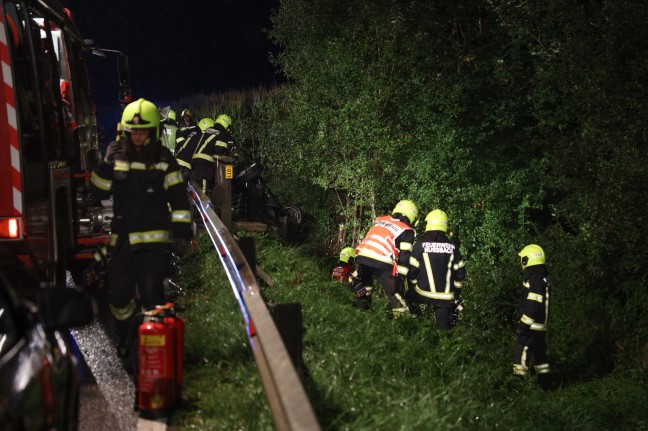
x: 159, y: 376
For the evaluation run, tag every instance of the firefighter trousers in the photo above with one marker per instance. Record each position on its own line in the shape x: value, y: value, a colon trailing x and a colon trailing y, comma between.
x: 140, y: 272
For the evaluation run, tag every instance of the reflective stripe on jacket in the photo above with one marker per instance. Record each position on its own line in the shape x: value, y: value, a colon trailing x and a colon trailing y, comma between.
x: 380, y: 242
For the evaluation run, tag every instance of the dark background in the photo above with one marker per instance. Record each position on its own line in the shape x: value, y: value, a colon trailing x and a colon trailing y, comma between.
x: 176, y: 49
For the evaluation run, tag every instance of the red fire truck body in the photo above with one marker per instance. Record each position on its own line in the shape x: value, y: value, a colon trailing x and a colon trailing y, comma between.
x: 48, y: 142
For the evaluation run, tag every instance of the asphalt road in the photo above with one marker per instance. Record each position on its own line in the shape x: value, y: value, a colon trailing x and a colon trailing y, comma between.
x: 107, y: 394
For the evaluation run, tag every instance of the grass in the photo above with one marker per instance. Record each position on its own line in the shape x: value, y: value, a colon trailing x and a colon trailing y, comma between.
x: 368, y: 372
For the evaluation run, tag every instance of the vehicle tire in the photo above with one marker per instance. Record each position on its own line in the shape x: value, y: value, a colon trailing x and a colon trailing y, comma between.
x: 293, y: 214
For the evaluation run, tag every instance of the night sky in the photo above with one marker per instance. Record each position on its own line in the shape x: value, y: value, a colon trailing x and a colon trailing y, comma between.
x: 177, y: 48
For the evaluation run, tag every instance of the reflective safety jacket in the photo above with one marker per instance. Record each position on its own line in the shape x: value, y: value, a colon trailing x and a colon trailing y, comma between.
x: 437, y: 269
x: 217, y: 145
x: 185, y: 151
x: 185, y: 131
x: 168, y: 137
x: 533, y: 306
x: 388, y: 241
x: 150, y: 203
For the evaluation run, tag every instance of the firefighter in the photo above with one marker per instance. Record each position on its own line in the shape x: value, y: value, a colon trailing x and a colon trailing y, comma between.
x: 151, y: 214
x: 220, y: 144
x: 532, y: 313
x: 345, y: 265
x: 185, y: 151
x: 187, y: 127
x: 169, y: 130
x: 385, y: 253
x: 438, y: 270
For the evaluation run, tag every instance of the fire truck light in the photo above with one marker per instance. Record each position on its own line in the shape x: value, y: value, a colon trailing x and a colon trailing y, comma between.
x: 9, y: 228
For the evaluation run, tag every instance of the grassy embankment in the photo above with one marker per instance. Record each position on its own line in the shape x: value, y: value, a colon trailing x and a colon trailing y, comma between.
x: 367, y: 372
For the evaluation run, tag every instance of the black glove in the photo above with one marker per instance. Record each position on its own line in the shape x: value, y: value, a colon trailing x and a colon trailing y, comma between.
x: 114, y: 151
x: 180, y: 246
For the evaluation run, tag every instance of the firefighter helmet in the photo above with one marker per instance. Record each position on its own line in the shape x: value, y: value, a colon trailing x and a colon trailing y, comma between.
x: 186, y: 112
x: 532, y: 255
x: 436, y: 220
x: 171, y: 115
x: 205, y: 124
x: 224, y: 120
x: 408, y: 209
x: 347, y: 253
x: 141, y: 114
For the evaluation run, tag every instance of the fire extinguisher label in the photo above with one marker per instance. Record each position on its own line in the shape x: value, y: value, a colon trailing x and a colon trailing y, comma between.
x: 153, y: 340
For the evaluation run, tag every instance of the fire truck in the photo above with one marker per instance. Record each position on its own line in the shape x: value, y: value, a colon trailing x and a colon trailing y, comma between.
x: 48, y: 142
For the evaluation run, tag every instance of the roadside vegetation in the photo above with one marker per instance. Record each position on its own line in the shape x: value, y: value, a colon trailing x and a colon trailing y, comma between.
x: 368, y: 372
x: 525, y: 122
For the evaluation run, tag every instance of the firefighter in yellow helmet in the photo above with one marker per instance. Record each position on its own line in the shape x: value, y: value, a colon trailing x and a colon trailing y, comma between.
x: 384, y: 253
x: 151, y: 214
x: 345, y: 265
x: 209, y: 151
x: 186, y: 128
x: 532, y: 313
x: 186, y: 150
x: 438, y: 270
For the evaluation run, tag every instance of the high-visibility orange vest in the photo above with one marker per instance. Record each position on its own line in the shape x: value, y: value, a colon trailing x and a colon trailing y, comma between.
x: 379, y: 243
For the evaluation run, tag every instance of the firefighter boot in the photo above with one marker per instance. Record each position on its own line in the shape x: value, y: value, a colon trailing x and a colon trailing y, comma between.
x: 123, y: 339
x: 545, y: 381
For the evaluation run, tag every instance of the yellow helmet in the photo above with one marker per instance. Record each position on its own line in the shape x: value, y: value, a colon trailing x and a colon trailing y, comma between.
x: 408, y: 209
x: 141, y: 114
x: 224, y: 120
x: 205, y: 124
x: 532, y: 255
x: 186, y: 112
x: 436, y: 220
x: 171, y: 115
x: 347, y: 253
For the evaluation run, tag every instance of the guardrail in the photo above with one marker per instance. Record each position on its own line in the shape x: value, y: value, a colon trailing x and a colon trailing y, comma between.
x: 289, y: 404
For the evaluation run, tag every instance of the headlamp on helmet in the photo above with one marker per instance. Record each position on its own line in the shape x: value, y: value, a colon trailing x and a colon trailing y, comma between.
x: 532, y: 255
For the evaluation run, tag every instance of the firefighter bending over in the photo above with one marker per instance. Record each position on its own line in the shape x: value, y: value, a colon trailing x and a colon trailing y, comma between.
x: 210, y: 151
x: 438, y: 270
x: 345, y: 265
x: 385, y: 253
x: 151, y: 211
x: 185, y: 152
x: 533, y: 311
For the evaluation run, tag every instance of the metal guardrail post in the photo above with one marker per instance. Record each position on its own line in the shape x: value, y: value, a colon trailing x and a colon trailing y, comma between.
x: 289, y: 403
x: 222, y: 193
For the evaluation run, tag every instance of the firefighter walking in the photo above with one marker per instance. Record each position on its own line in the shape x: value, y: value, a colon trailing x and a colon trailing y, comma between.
x: 438, y: 271
x: 151, y: 211
x: 532, y: 314
x: 384, y: 253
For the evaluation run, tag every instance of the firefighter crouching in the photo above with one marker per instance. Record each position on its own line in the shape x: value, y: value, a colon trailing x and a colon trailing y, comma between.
x: 151, y: 211
x: 533, y: 312
x: 345, y: 265
x: 384, y: 253
x: 438, y: 270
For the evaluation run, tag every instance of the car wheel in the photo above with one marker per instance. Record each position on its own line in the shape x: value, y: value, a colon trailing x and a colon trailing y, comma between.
x: 293, y: 214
